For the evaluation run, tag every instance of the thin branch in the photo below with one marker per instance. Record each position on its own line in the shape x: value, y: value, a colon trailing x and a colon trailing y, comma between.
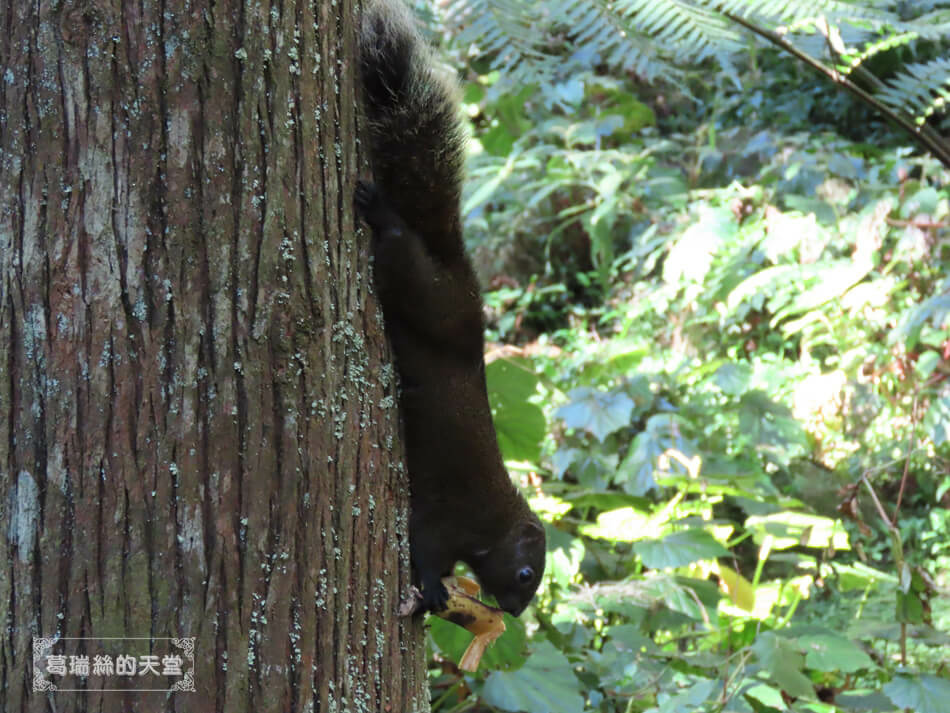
x: 911, y: 437
x: 877, y: 503
x: 932, y: 144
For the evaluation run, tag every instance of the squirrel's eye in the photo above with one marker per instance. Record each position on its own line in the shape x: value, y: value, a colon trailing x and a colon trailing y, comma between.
x: 525, y: 575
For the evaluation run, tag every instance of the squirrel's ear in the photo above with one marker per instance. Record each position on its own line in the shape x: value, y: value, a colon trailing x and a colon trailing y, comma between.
x: 532, y: 530
x: 481, y: 553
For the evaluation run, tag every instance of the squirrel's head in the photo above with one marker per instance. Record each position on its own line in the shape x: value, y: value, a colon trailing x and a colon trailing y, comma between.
x: 511, y: 570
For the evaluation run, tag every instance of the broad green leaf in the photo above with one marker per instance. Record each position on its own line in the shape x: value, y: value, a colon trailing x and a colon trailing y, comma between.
x: 592, y: 470
x: 861, y: 576
x: 692, y: 698
x: 636, y: 471
x: 822, y: 210
x: 679, y: 549
x: 934, y: 310
x: 784, y: 663
x: 664, y: 184
x: 691, y: 256
x: 510, y: 379
x: 520, y: 428
x: 786, y: 232
x: 621, y: 525
x: 629, y: 639
x: 520, y: 424
x: 789, y: 529
x: 694, y: 598
x: 607, y: 501
x: 846, y: 166
x: 937, y: 420
x: 771, y: 426
x: 597, y: 412
x: 733, y: 378
x: 927, y: 362
x: 921, y: 694
x: 565, y: 554
x: 828, y: 652
x: 909, y: 608
x: 829, y: 283
x: 544, y: 684
x: 869, y: 702
x: 739, y: 589
x: 763, y: 698
x: 759, y: 283
x: 662, y: 432
x: 923, y: 201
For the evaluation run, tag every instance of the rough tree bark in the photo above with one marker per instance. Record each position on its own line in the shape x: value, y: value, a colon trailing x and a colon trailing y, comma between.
x: 198, y: 430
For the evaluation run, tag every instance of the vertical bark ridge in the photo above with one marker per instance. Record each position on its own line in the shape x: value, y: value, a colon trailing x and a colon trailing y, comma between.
x: 200, y: 421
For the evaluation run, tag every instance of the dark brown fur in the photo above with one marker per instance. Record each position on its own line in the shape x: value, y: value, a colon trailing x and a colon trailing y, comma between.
x: 463, y: 503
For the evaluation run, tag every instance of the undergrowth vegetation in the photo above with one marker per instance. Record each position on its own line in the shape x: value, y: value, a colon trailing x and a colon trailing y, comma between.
x: 720, y: 327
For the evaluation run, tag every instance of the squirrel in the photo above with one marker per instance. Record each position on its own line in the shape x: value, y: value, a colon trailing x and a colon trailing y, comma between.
x: 463, y: 505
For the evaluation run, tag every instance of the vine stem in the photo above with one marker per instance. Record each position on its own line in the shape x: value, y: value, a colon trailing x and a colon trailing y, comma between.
x: 930, y: 143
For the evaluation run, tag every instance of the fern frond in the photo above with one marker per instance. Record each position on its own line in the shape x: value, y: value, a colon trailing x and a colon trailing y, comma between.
x: 544, y: 42
x: 851, y: 61
x: 696, y: 30
x: 503, y: 29
x: 780, y: 11
x: 931, y: 26
x: 920, y: 90
x: 621, y: 44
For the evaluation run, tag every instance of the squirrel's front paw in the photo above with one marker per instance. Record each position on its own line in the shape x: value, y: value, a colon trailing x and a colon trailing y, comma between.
x: 366, y: 196
x: 435, y: 596
x: 372, y: 208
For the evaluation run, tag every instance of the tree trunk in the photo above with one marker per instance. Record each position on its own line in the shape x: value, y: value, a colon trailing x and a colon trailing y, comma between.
x: 199, y: 432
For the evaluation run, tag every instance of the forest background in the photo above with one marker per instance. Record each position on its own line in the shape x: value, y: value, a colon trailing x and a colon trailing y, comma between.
x: 716, y: 269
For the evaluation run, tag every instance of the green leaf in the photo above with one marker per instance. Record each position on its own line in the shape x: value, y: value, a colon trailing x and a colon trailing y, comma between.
x: 934, y: 310
x: 875, y: 702
x: 823, y: 211
x: 690, y: 258
x: 779, y: 657
x: 786, y: 232
x: 761, y: 283
x: 510, y: 379
x: 693, y: 598
x: 545, y: 684
x: 909, y: 607
x: 828, y: 652
x: 620, y: 525
x: 796, y: 528
x: 770, y: 426
x: 628, y: 639
x: 637, y: 467
x: 607, y: 501
x: 520, y: 428
x: 592, y: 470
x: 923, y: 201
x: 597, y: 412
x: 927, y: 362
x: 921, y: 694
x: 937, y: 420
x: 520, y: 424
x: 679, y: 549
x: 507, y: 651
x: 733, y: 378
x: 565, y: 554
x: 860, y: 576
x: 692, y: 698
x: 662, y: 431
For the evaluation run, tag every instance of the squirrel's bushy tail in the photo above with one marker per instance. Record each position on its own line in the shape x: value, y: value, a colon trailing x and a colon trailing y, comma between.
x: 417, y: 147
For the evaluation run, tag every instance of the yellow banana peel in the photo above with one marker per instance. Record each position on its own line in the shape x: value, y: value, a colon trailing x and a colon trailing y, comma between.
x: 465, y: 609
